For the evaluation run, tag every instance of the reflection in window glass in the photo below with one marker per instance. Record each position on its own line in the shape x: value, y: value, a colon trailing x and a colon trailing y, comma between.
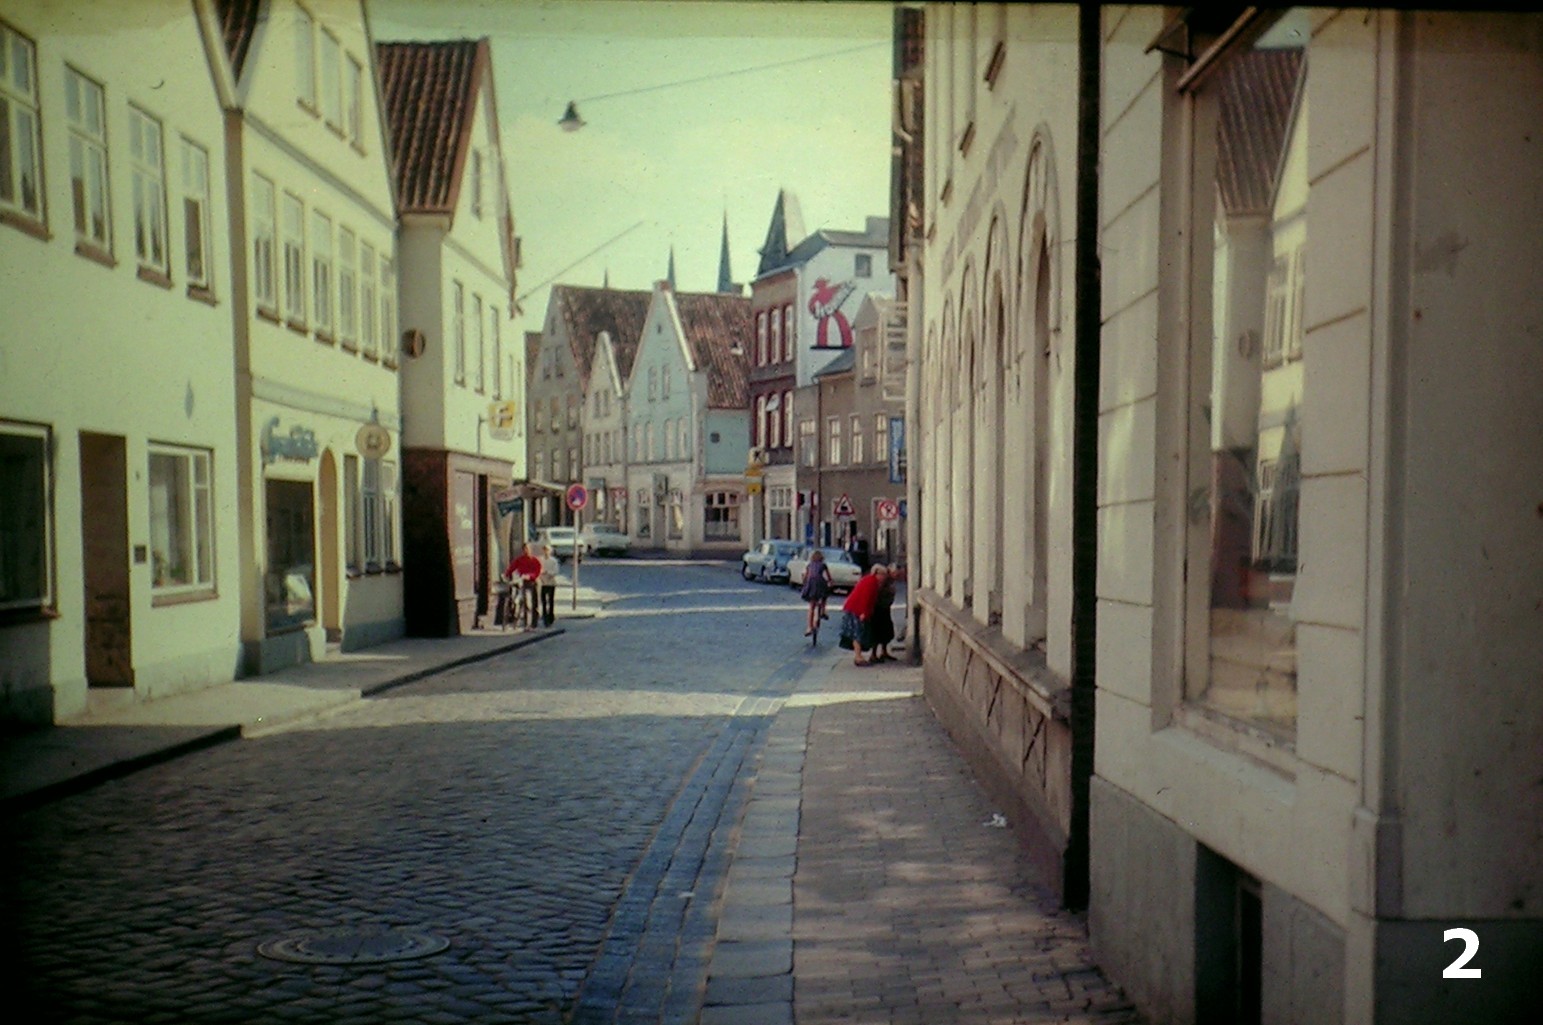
x: 181, y: 526
x: 1254, y: 406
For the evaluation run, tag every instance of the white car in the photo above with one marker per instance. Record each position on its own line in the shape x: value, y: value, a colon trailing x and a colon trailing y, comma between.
x: 605, y: 539
x: 844, y: 572
x: 562, y: 540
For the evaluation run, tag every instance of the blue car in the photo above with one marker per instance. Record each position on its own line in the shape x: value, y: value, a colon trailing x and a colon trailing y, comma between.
x: 768, y: 561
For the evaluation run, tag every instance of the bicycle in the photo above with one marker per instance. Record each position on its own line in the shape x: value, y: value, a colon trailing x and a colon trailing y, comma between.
x: 816, y: 589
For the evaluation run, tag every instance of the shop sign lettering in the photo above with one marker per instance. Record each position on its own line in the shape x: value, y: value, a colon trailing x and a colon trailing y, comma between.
x: 298, y: 445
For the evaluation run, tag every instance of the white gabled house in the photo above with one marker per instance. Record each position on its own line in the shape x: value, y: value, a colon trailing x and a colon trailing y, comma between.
x: 688, y: 422
x: 118, y: 453
x: 314, y: 258
x: 463, y: 388
x: 605, y: 429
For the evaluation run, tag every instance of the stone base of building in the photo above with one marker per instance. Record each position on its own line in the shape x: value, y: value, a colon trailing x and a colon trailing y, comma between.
x: 1177, y: 927
x: 1010, y: 720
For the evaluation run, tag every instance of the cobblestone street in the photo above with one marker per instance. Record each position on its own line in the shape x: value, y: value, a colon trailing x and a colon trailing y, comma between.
x: 597, y: 825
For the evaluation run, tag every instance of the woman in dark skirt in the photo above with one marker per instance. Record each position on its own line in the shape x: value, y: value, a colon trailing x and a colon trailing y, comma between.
x: 881, y: 624
x: 856, y: 624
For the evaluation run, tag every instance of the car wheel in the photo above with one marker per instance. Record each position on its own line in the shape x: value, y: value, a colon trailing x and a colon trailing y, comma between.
x: 762, y: 576
x: 744, y: 570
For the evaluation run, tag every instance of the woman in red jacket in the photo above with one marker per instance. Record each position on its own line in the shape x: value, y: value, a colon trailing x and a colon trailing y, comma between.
x: 859, y: 608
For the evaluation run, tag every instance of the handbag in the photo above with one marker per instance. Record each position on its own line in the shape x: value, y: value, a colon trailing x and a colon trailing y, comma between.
x: 849, y: 626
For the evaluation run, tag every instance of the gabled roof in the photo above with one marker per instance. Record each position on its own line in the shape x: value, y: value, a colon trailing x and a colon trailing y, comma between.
x: 1257, y: 92
x: 429, y: 92
x: 875, y: 235
x: 586, y: 312
x: 238, y: 23
x: 715, y: 324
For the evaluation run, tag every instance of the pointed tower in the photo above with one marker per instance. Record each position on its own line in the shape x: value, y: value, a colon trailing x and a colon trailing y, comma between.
x: 726, y: 283
x: 785, y: 231
x: 670, y: 274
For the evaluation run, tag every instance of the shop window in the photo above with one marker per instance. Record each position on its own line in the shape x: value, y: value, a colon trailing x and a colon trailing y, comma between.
x: 25, y: 513
x: 21, y: 160
x: 720, y: 515
x: 181, y: 520
x: 676, y: 516
x: 290, y: 581
x: 1250, y: 109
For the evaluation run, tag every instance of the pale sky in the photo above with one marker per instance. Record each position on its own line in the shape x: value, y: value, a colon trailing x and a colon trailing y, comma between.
x: 673, y: 158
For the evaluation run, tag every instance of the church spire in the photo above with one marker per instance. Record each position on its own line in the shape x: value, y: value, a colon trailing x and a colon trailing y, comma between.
x: 726, y: 283
x: 670, y: 275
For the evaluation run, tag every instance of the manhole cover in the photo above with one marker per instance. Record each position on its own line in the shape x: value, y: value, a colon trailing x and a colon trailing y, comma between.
x: 353, y: 946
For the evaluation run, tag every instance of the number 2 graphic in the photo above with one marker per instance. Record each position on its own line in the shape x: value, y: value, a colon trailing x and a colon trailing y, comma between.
x: 1470, y: 939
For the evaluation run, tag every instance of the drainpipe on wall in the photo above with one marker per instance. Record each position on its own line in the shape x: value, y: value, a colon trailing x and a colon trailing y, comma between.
x: 1085, y: 452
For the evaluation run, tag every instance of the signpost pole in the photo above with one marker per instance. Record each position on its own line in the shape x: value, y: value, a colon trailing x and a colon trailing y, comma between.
x: 578, y: 555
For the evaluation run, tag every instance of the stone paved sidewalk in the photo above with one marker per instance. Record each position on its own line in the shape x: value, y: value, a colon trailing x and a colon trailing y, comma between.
x: 871, y: 887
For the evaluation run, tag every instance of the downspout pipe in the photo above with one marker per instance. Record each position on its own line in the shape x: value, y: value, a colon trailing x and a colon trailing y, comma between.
x: 1085, y: 377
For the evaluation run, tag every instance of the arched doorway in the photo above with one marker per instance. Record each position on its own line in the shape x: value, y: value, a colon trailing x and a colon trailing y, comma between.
x: 330, y: 575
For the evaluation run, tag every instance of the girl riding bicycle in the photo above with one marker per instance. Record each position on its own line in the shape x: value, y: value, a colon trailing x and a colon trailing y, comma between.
x: 817, y: 587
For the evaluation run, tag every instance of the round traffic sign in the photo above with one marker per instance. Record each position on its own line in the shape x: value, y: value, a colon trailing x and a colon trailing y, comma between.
x: 578, y: 496
x: 888, y: 510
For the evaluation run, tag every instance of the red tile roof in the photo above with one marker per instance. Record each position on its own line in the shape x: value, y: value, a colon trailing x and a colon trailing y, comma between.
x: 429, y: 94
x: 1257, y: 94
x: 715, y: 324
x: 238, y: 22
x: 588, y: 311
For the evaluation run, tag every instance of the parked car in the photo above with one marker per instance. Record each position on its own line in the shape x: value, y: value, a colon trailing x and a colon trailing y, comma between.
x: 768, y: 561
x: 562, y: 539
x: 844, y: 570
x: 605, y: 539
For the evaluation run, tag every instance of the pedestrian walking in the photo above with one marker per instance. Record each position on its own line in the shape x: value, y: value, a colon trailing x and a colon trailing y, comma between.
x: 817, y: 585
x: 523, y: 572
x: 856, y: 622
x: 548, y: 582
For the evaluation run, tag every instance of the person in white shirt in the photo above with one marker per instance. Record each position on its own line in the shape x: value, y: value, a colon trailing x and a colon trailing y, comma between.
x: 548, y: 583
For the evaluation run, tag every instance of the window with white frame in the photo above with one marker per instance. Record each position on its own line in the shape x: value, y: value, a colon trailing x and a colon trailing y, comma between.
x: 387, y: 311
x: 195, y: 215
x: 787, y: 419
x: 85, y: 109
x: 881, y: 437
x: 538, y: 470
x: 147, y: 169
x: 348, y: 285
x: 779, y: 503
x: 458, y: 329
x: 856, y: 429
x: 481, y: 344
x: 26, y: 530
x: 760, y: 339
x: 774, y: 422
x: 378, y: 485
x: 353, y: 532
x: 294, y: 259
x: 761, y: 432
x: 21, y: 150
x: 332, y: 81
x: 664, y: 382
x: 653, y: 384
x: 833, y: 441
x: 498, y: 351
x: 368, y: 311
x: 720, y: 515
x: 305, y: 57
x: 787, y: 332
x: 353, y: 99
x: 774, y: 347
x: 808, y: 443
x: 265, y: 284
x: 862, y: 265
x: 321, y: 265
x: 181, y: 520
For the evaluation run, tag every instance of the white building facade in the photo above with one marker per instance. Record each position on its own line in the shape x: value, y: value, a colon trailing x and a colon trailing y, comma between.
x: 317, y: 355
x: 118, y: 458
x: 1300, y: 743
